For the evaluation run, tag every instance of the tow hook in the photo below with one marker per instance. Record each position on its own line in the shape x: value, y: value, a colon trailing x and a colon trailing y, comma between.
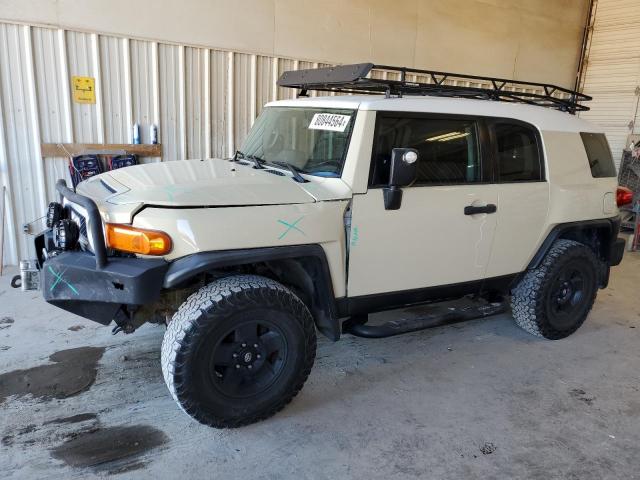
x: 123, y: 321
x: 127, y: 328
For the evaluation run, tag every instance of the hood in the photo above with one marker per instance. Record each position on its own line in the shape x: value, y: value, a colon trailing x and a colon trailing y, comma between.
x: 184, y: 183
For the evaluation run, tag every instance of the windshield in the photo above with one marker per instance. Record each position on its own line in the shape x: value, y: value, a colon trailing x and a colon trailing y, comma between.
x: 313, y: 140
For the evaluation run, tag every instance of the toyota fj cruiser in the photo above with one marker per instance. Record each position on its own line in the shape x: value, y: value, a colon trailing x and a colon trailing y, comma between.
x: 416, y: 187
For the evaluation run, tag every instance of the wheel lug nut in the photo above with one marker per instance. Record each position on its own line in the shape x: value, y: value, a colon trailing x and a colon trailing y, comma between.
x: 244, y: 345
x: 255, y: 345
x: 237, y: 366
x: 235, y: 355
x: 258, y: 355
x: 249, y: 366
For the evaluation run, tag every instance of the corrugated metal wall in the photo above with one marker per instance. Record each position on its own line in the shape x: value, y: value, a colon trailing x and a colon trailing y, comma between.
x: 612, y: 73
x: 203, y: 101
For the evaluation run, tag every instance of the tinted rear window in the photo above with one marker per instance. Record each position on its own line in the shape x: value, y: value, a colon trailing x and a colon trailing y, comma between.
x: 599, y: 155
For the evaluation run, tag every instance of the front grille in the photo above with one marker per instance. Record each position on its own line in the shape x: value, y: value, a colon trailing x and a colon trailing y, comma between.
x: 82, y: 226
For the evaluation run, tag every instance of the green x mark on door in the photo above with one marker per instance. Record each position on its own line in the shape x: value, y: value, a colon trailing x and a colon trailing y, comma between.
x: 291, y: 226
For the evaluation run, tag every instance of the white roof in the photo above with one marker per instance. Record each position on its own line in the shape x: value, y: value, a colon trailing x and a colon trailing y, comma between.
x: 542, y: 117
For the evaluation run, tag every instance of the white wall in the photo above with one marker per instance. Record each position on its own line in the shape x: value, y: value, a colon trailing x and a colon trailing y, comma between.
x: 536, y: 40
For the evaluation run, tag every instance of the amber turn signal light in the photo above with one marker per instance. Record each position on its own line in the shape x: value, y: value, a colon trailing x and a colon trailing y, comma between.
x: 136, y: 240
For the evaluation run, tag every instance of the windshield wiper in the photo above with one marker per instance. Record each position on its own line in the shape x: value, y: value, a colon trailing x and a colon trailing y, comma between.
x: 295, y: 171
x: 257, y: 161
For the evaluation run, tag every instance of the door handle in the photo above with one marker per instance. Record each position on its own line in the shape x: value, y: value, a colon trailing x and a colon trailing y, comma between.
x: 473, y: 210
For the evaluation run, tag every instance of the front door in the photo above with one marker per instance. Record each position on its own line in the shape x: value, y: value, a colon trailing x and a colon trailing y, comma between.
x: 433, y: 239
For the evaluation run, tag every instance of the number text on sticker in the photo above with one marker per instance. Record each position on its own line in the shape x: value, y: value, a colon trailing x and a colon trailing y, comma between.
x: 329, y: 121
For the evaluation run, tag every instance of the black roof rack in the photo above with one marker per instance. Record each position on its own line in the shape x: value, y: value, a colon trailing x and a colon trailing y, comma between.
x: 367, y: 78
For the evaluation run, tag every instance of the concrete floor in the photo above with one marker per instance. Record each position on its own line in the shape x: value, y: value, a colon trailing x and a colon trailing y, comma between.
x: 481, y: 399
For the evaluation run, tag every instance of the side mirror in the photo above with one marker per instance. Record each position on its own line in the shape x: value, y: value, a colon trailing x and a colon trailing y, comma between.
x: 404, y: 169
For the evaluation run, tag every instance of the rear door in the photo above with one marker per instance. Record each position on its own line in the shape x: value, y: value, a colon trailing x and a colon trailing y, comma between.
x: 431, y: 240
x: 523, y: 195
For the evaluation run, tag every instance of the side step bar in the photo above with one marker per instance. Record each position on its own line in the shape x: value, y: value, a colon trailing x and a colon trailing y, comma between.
x: 438, y: 316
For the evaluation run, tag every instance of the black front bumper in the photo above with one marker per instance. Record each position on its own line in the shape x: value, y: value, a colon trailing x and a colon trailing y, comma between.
x: 95, y: 286
x: 72, y: 282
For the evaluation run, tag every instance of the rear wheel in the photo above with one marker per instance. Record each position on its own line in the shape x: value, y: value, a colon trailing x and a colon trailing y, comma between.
x: 238, y: 350
x: 553, y: 300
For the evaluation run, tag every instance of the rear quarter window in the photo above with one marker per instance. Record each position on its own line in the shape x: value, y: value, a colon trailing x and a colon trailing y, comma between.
x: 599, y: 155
x: 518, y: 154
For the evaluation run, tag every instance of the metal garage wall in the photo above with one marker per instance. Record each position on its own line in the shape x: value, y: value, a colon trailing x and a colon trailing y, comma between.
x: 22, y: 170
x: 612, y: 74
x: 202, y: 100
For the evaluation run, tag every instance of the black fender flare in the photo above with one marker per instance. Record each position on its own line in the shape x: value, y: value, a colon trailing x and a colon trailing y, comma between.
x: 314, y: 262
x: 612, y: 225
x: 609, y: 248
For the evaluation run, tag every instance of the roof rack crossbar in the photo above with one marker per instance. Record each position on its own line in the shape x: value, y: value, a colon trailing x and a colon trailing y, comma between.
x: 363, y: 78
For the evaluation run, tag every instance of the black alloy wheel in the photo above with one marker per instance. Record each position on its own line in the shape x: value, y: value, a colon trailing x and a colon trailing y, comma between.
x: 248, y: 358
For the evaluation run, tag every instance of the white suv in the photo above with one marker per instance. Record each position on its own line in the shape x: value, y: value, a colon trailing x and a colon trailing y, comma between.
x: 336, y: 207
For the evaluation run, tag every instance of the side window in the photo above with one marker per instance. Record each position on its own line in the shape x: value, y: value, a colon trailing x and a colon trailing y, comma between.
x: 448, y: 151
x: 599, y: 155
x: 518, y: 155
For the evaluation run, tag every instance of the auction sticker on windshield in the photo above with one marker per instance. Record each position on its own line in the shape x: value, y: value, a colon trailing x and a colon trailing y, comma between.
x: 329, y: 121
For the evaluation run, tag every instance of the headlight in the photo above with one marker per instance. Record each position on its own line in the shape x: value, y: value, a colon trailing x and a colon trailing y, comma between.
x: 136, y: 240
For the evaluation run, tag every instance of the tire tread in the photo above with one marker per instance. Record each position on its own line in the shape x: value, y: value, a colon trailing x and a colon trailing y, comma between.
x: 211, y: 303
x: 527, y: 299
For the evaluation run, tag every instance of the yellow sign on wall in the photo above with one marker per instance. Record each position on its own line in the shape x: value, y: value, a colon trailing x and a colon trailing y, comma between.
x: 84, y: 89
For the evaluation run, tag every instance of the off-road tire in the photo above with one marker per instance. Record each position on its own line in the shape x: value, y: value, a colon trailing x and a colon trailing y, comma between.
x: 205, y: 315
x: 532, y: 299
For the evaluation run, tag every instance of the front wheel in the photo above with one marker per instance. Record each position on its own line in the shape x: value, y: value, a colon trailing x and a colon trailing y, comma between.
x: 238, y: 350
x: 553, y: 300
